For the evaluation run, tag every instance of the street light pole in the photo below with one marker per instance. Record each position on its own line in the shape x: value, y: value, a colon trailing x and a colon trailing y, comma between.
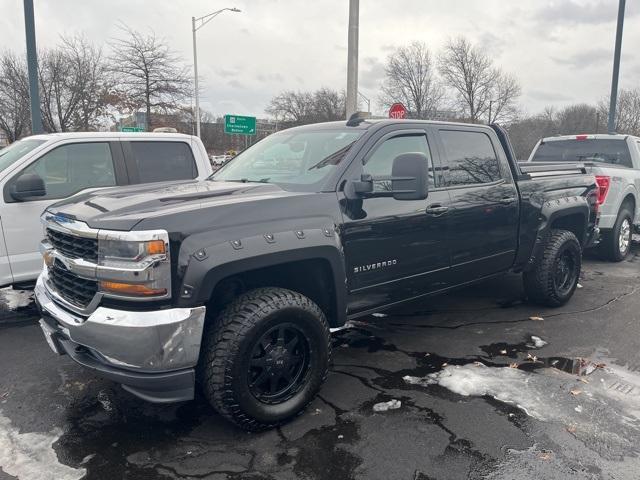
x: 32, y: 66
x: 194, y: 28
x: 616, y: 68
x: 352, y: 58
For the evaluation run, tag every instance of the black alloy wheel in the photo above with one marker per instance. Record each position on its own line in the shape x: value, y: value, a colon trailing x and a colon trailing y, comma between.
x: 279, y: 364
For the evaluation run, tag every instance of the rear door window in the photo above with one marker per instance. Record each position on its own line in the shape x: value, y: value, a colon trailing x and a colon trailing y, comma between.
x: 162, y: 161
x: 599, y: 150
x: 470, y: 158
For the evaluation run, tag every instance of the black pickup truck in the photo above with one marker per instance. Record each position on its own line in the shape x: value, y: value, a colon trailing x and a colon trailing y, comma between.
x: 235, y: 281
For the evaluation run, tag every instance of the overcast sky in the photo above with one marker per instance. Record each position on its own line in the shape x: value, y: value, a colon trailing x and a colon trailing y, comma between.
x: 560, y: 50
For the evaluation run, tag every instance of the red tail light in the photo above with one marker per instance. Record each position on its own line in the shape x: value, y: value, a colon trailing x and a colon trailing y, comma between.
x: 582, y: 137
x: 603, y: 187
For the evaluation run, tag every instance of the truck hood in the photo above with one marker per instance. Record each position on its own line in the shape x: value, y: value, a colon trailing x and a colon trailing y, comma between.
x: 122, y: 208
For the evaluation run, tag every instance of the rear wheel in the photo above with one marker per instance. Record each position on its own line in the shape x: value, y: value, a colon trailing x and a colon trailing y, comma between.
x: 616, y: 243
x: 265, y: 357
x: 555, y: 276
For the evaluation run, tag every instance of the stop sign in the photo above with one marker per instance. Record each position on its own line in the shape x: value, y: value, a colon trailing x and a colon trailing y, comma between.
x: 397, y: 111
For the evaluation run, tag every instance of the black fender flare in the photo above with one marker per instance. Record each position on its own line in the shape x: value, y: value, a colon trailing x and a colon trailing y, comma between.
x: 554, y: 210
x: 208, y: 265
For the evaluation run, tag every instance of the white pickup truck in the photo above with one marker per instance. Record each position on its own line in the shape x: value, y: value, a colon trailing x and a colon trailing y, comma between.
x: 615, y: 162
x: 40, y: 170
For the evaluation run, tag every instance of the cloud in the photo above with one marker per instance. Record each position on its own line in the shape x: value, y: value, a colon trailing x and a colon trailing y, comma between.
x: 372, y: 72
x: 586, y: 58
x: 574, y: 12
x: 548, y: 96
x: 227, y: 72
x: 270, y: 77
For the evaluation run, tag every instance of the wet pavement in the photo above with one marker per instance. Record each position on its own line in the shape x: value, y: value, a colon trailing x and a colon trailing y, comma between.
x: 487, y: 385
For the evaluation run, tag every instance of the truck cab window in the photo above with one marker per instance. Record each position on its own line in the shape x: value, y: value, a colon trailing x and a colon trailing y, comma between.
x: 162, y: 161
x: 469, y: 158
x: 68, y: 169
x: 381, y: 161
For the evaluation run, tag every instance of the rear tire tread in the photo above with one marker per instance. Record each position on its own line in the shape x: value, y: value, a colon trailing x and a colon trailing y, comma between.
x: 539, y: 283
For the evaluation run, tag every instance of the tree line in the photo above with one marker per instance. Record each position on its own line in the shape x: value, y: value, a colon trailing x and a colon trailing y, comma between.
x: 462, y: 83
x: 82, y: 86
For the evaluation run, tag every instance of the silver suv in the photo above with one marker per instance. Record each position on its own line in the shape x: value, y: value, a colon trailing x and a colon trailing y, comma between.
x: 615, y: 161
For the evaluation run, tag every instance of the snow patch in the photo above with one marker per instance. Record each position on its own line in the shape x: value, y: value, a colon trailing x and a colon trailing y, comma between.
x: 538, y: 342
x: 390, y: 405
x: 15, y: 299
x: 546, y: 395
x: 30, y: 456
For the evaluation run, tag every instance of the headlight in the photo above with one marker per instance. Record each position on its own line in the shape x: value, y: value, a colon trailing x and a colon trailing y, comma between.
x: 134, y: 265
x: 113, y: 252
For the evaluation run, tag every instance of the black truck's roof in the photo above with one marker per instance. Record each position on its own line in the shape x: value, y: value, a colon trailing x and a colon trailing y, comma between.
x: 370, y: 122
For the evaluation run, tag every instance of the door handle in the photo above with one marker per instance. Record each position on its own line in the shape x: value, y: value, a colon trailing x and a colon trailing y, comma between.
x: 507, y: 200
x: 436, y: 210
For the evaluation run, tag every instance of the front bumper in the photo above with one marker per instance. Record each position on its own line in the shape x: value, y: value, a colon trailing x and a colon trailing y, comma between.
x: 152, y: 353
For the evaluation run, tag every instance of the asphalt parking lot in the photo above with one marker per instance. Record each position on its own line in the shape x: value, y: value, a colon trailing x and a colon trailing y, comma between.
x: 487, y: 386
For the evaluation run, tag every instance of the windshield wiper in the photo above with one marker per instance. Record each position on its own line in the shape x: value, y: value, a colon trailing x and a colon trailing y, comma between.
x: 333, y: 159
x: 247, y: 180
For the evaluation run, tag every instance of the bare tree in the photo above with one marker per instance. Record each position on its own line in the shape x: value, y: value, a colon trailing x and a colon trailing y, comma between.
x: 503, y: 105
x: 579, y: 118
x: 150, y: 75
x: 328, y: 105
x: 92, y: 80
x: 323, y: 105
x: 478, y: 85
x: 410, y: 79
x: 74, y: 85
x: 291, y: 106
x: 627, y: 111
x: 14, y: 97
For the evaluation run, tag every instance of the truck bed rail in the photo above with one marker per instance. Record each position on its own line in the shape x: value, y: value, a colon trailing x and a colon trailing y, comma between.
x: 551, y: 169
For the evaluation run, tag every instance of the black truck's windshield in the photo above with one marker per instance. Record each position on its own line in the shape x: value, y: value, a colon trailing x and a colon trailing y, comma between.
x: 298, y: 161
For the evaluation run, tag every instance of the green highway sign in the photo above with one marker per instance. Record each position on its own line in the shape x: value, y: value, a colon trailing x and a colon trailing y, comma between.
x: 132, y: 129
x: 239, y: 124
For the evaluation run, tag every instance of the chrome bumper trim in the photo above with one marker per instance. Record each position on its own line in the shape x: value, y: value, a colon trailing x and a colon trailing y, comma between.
x: 151, y: 341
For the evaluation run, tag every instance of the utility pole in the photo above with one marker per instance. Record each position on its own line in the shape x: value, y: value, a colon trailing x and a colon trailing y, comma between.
x: 616, y: 68
x: 32, y: 66
x: 196, y: 24
x: 352, y: 58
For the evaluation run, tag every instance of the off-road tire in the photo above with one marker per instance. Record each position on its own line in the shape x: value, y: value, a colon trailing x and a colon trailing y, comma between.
x: 228, y: 343
x: 610, y: 246
x: 539, y: 282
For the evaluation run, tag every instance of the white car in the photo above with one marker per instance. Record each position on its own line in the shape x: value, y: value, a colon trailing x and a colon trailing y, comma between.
x: 40, y: 170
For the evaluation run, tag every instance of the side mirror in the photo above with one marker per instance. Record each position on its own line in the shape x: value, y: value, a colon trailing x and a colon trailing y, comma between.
x: 27, y: 186
x: 410, y: 176
x: 409, y: 180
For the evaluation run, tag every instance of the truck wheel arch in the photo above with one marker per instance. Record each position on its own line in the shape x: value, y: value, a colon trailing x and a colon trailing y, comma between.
x: 559, y: 215
x: 327, y: 287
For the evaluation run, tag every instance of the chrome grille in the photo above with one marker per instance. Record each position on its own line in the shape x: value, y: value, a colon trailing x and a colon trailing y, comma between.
x: 74, y: 289
x: 74, y: 247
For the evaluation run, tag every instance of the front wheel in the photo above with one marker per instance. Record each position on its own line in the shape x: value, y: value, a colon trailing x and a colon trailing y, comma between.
x: 555, y: 275
x: 265, y: 357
